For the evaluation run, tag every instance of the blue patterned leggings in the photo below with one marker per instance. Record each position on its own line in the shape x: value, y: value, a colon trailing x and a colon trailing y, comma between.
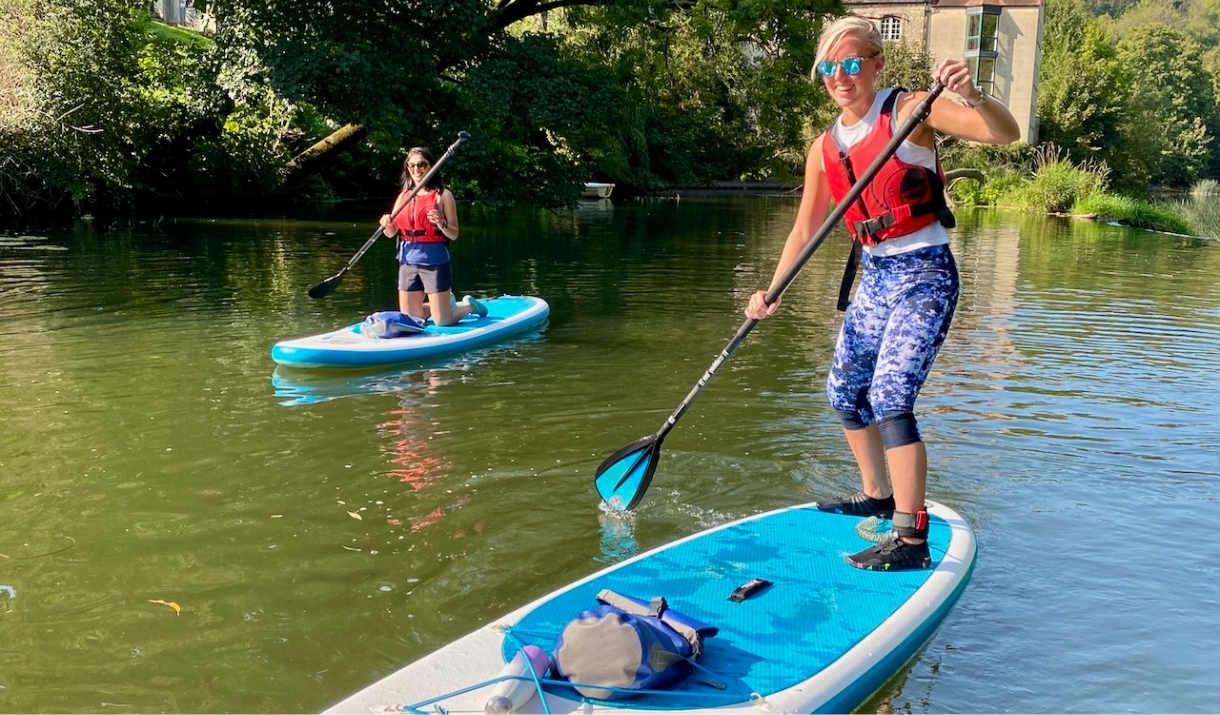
x: 889, y: 339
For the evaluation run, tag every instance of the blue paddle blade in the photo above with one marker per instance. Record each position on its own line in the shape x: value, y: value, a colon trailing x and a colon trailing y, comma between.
x: 623, y: 478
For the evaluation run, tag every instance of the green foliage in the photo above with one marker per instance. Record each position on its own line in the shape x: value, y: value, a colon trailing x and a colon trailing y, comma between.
x: 1168, y: 128
x: 956, y: 154
x: 1057, y: 183
x: 1002, y: 185
x: 647, y: 94
x: 179, y: 35
x: 1052, y: 184
x: 1133, y: 212
x: 719, y: 91
x: 540, y: 121
x: 1083, y: 88
x: 906, y: 67
x: 115, y: 99
x: 1113, y: 8
x: 352, y: 59
x: 1202, y: 212
x: 1198, y: 19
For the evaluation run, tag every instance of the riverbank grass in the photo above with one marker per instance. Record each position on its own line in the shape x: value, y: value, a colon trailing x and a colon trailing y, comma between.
x: 1057, y: 186
x: 1133, y: 212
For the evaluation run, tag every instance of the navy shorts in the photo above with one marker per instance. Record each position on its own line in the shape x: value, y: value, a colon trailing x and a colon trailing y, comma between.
x: 429, y: 279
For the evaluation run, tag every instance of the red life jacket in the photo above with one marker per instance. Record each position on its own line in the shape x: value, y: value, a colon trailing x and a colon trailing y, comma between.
x: 900, y: 200
x: 412, y: 221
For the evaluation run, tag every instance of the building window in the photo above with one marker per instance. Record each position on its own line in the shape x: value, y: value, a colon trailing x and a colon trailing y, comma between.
x: 982, y: 28
x: 891, y: 28
x: 982, y: 35
x: 983, y: 71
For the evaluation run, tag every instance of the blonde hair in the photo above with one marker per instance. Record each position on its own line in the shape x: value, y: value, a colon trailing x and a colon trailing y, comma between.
x: 854, y: 25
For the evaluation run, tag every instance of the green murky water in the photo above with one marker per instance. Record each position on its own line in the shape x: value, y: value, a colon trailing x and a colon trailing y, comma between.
x: 318, y: 531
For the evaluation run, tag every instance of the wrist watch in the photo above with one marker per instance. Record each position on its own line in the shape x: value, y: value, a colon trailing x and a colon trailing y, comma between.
x: 981, y: 100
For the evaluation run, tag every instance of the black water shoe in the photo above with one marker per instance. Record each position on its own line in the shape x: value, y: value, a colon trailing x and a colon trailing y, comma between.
x: 893, y: 555
x: 860, y: 504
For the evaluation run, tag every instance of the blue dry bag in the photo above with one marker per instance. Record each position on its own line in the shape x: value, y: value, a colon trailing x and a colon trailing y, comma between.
x: 390, y: 324
x: 627, y: 645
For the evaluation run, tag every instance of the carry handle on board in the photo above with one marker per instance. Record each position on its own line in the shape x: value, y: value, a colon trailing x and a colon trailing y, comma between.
x: 624, y: 476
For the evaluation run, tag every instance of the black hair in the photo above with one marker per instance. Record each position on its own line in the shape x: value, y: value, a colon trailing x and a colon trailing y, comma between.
x: 435, y: 182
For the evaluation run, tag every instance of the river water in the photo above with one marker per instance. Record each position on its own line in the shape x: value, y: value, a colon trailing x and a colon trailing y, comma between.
x: 318, y: 531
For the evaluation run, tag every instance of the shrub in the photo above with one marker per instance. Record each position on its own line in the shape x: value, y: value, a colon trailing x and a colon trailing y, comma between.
x: 1057, y: 184
x: 1133, y: 212
x: 1206, y: 187
x: 1203, y: 214
x: 1003, y: 188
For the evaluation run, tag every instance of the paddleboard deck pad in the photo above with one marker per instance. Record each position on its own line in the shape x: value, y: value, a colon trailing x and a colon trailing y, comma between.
x: 823, y: 637
x: 347, y: 347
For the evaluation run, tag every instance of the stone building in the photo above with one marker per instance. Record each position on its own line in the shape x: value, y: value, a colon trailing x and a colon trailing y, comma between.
x: 1000, y: 39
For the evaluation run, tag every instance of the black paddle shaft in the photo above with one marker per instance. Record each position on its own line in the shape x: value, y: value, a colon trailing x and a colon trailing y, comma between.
x: 328, y: 286
x: 917, y: 116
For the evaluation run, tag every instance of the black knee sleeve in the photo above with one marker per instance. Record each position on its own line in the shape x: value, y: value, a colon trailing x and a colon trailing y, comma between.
x: 851, y: 419
x: 898, y: 430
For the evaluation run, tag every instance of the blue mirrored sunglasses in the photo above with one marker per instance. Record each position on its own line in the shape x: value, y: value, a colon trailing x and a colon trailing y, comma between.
x: 850, y: 65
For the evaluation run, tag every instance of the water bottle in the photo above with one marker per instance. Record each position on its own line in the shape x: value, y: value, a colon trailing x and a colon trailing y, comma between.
x: 509, y: 695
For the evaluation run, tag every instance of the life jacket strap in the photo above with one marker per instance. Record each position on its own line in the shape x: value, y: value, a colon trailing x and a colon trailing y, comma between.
x: 906, y: 212
x: 849, y: 276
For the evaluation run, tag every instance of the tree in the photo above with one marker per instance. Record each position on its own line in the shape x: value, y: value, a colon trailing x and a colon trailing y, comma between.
x: 396, y: 69
x: 102, y: 100
x: 1200, y: 19
x: 1082, y: 88
x: 1172, y: 105
x: 718, y: 91
x: 906, y: 67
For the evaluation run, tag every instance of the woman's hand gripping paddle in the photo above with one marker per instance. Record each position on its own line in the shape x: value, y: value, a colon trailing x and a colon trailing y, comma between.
x: 329, y: 285
x: 623, y: 478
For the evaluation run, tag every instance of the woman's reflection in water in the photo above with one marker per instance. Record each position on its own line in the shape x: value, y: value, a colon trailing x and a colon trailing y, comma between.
x: 416, y: 461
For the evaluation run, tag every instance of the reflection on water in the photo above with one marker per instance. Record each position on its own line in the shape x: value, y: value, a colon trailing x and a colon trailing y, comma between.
x: 325, y: 532
x: 410, y: 434
x: 308, y: 387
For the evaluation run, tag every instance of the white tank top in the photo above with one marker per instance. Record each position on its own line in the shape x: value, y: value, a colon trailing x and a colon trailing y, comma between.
x: 845, y: 137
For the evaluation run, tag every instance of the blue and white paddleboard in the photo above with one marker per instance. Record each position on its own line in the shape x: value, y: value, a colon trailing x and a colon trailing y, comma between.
x: 823, y: 638
x: 347, y: 347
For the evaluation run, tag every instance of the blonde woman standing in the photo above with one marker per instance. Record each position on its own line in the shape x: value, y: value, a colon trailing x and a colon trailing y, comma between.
x: 909, y: 288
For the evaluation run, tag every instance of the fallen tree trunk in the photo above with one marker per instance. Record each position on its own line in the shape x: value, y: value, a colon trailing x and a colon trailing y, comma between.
x: 313, y: 158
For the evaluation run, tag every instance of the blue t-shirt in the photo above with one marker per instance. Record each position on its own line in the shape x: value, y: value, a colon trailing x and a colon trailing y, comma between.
x: 423, y: 254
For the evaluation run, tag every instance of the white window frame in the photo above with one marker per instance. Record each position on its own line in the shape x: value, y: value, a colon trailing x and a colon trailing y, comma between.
x: 891, y: 28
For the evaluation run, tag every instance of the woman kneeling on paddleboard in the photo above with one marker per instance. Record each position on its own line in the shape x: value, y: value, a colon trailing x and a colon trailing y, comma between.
x: 424, y: 229
x: 901, y: 312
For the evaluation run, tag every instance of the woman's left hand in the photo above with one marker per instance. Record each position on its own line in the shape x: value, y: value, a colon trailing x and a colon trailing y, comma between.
x: 955, y: 75
x: 437, y: 218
